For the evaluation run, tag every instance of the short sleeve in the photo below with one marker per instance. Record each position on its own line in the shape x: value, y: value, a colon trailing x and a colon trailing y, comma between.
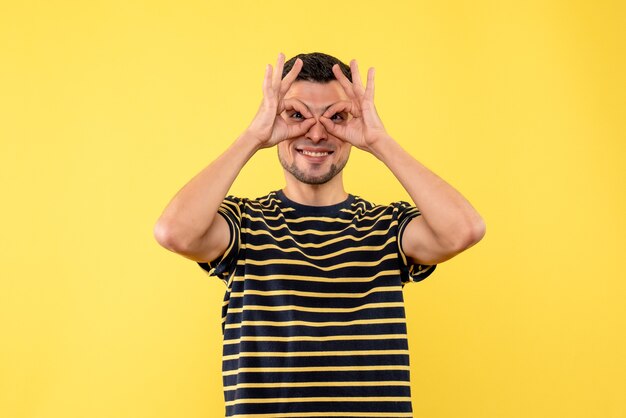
x: 224, y: 266
x: 410, y: 272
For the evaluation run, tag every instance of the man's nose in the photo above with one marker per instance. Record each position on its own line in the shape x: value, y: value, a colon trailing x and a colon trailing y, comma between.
x: 317, y: 132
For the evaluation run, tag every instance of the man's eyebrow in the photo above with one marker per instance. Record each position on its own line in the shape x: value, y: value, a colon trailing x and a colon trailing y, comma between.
x: 309, y: 108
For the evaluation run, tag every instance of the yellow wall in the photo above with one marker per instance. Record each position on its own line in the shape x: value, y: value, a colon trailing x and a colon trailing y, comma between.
x: 108, y: 107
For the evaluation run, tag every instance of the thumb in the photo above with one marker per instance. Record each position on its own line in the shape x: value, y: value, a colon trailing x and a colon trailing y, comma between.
x: 332, y: 128
x: 301, y: 128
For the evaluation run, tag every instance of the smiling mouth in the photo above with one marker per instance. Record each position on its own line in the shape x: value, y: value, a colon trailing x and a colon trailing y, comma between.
x: 314, y: 153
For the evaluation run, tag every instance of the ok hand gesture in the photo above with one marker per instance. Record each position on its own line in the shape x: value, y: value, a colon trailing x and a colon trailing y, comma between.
x: 365, y: 128
x: 268, y: 127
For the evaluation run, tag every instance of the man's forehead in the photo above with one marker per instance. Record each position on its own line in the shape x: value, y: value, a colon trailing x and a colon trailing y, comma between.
x: 318, y: 94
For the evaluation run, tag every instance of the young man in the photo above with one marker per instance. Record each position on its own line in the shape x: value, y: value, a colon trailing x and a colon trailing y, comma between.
x: 314, y: 321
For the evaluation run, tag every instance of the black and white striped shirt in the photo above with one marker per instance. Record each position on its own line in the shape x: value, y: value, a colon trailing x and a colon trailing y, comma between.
x: 313, y: 316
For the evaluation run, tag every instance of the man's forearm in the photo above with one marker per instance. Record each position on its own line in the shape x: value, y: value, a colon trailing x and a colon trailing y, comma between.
x: 447, y: 213
x: 193, y: 209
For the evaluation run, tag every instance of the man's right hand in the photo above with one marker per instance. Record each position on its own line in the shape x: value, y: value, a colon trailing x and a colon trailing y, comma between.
x: 268, y: 126
x: 190, y: 224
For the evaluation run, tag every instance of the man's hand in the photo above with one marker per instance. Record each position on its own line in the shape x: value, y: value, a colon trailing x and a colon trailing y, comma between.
x: 365, y: 128
x: 268, y: 127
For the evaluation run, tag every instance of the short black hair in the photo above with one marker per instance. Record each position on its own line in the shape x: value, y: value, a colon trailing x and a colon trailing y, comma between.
x: 317, y: 67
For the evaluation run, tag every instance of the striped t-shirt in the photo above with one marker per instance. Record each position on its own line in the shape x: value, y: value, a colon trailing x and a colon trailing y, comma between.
x: 313, y: 315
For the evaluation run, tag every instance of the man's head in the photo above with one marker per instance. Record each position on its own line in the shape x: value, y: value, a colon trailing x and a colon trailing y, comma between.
x: 317, y: 157
x: 317, y: 67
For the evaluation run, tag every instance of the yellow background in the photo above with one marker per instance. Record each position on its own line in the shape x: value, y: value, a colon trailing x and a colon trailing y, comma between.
x: 108, y: 107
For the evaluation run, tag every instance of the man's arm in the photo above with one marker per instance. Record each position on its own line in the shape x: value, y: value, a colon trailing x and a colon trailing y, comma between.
x: 448, y: 223
x: 190, y: 224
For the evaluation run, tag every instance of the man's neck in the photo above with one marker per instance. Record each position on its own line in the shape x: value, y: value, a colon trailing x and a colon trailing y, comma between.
x: 326, y: 194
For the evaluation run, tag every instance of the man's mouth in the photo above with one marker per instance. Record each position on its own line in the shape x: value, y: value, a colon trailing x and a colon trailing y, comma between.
x: 315, y: 153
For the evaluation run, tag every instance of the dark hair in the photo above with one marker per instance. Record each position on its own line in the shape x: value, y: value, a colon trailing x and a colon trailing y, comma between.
x: 317, y: 67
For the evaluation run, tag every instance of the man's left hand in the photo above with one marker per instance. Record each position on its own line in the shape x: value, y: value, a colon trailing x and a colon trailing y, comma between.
x: 364, y: 128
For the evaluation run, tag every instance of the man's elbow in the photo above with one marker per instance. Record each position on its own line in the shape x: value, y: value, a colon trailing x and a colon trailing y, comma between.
x: 165, y: 236
x: 472, y: 234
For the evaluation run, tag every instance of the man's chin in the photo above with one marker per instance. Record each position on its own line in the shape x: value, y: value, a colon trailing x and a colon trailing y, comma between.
x: 309, y: 178
x: 314, y: 179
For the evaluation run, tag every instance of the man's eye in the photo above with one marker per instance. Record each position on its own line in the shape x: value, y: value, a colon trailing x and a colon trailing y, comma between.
x: 337, y: 117
x: 297, y: 115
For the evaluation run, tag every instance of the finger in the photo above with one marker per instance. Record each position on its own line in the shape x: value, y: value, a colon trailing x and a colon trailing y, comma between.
x: 332, y: 128
x: 298, y: 106
x: 291, y: 76
x: 300, y: 128
x: 343, y: 106
x: 278, y: 72
x: 356, y: 77
x: 343, y: 80
x: 267, y: 80
x: 369, y: 89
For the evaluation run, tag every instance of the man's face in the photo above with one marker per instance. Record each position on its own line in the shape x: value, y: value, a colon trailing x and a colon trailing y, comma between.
x: 316, y: 157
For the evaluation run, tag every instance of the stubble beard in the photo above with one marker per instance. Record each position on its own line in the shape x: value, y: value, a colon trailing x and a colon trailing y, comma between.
x: 308, y: 179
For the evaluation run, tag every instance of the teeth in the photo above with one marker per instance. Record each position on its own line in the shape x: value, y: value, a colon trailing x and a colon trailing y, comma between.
x: 315, y: 154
